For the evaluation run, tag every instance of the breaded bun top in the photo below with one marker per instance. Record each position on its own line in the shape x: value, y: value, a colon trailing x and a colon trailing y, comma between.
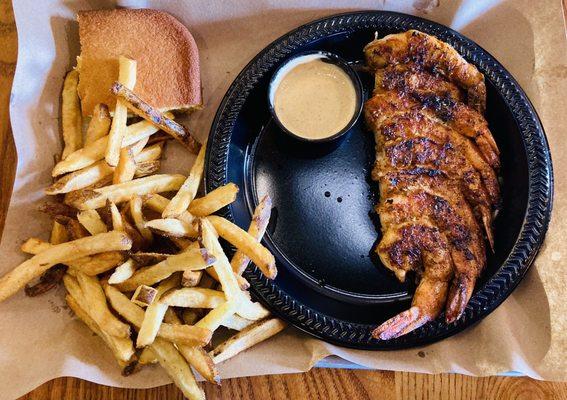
x: 168, y: 74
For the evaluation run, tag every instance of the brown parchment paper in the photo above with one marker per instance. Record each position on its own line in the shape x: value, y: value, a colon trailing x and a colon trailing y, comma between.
x: 39, y: 338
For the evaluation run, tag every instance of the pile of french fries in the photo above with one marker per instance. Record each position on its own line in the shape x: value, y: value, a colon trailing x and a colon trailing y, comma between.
x: 144, y: 270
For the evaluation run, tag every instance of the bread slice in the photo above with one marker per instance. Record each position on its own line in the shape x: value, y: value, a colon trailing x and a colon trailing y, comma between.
x: 168, y: 74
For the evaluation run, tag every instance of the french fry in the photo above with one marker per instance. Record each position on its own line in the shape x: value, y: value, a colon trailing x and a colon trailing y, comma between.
x: 196, y: 356
x: 182, y: 243
x: 71, y: 118
x: 150, y: 153
x: 184, y: 334
x: 59, y: 254
x: 98, y: 263
x: 214, y: 201
x: 122, y: 272
x: 243, y: 284
x: 137, y: 239
x: 247, y: 338
x: 147, y: 356
x: 138, y: 217
x: 144, y: 296
x: 171, y: 227
x: 191, y: 278
x: 154, y: 314
x: 74, y: 228
x: 258, y: 225
x: 81, y: 179
x: 144, y: 110
x: 117, y: 220
x: 237, y: 323
x: 127, y: 77
x: 92, y: 222
x: 193, y: 260
x: 90, y: 265
x: 58, y: 234
x: 126, y: 168
x: 141, y: 130
x: 95, y: 151
x: 179, y: 203
x: 99, y: 124
x: 143, y: 259
x: 147, y: 168
x: 92, y: 199
x: 35, y: 245
x: 81, y: 158
x: 247, y: 244
x: 98, y: 310
x: 178, y: 369
x: 121, y: 348
x: 217, y: 316
x: 194, y: 298
x: 245, y: 308
x: 146, y: 163
x: 156, y: 202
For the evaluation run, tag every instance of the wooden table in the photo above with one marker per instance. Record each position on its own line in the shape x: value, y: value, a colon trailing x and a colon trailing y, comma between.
x: 316, y: 384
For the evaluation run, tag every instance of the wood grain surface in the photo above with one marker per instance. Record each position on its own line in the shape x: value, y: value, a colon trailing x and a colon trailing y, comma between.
x: 316, y: 384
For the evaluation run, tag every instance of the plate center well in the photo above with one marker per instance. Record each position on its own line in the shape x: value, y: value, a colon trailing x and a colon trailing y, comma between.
x: 323, y: 226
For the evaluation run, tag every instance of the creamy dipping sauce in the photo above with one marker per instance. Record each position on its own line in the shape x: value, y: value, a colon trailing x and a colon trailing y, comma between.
x: 315, y: 99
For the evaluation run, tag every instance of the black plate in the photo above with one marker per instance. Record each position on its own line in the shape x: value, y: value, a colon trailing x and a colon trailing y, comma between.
x: 323, y: 229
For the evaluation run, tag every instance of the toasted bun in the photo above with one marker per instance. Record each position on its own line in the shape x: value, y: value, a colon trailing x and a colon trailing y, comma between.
x: 168, y: 75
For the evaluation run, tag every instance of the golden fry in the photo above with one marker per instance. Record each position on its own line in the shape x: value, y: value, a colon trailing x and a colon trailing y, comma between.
x: 138, y: 217
x: 188, y: 190
x: 194, y: 298
x: 258, y: 225
x: 127, y: 77
x: 214, y: 201
x: 92, y: 199
x: 237, y: 323
x: 247, y: 338
x: 193, y: 260
x: 58, y: 234
x: 171, y: 227
x: 247, y: 244
x: 99, y: 124
x: 217, y: 316
x: 38, y: 264
x: 122, y: 272
x: 81, y: 179
x: 117, y: 220
x: 146, y: 168
x: 122, y: 348
x: 196, y: 356
x: 71, y: 118
x: 178, y: 369
x: 92, y: 222
x: 154, y: 314
x: 147, y: 356
x: 245, y: 308
x: 90, y: 265
x: 98, y: 310
x: 184, y: 334
x: 94, y: 151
